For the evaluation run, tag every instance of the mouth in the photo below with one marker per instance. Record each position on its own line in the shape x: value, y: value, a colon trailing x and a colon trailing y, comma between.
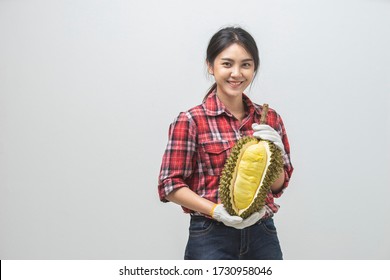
x: 235, y: 84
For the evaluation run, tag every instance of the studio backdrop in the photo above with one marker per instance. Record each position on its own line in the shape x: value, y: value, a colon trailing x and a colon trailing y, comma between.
x: 88, y: 89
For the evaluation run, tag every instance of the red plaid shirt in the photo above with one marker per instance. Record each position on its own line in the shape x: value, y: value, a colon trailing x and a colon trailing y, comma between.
x: 199, y: 143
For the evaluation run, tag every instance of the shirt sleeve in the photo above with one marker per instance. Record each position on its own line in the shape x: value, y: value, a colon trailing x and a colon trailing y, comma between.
x: 288, y: 168
x: 178, y: 159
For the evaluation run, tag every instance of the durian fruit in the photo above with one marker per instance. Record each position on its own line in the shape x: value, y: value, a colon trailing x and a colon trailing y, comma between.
x: 251, y: 168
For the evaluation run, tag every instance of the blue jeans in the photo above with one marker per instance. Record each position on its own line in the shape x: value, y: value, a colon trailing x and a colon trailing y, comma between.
x: 212, y: 240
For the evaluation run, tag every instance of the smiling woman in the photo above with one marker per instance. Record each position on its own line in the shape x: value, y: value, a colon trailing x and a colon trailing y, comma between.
x: 233, y: 70
x: 201, y: 140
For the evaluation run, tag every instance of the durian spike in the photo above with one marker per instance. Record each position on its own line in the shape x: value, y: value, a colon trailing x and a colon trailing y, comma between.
x: 263, y: 119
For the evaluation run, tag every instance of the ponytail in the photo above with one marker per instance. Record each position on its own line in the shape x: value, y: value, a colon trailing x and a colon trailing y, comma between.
x: 211, y: 89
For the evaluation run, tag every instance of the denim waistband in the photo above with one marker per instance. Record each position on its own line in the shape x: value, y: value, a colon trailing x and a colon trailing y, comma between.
x: 200, y: 216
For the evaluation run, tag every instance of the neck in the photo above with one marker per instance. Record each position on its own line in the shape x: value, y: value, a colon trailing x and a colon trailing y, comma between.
x: 235, y: 105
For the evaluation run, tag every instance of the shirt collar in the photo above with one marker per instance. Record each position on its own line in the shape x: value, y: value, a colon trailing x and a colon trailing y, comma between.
x: 214, y: 107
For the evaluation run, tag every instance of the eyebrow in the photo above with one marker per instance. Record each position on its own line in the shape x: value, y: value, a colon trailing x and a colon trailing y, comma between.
x: 231, y: 60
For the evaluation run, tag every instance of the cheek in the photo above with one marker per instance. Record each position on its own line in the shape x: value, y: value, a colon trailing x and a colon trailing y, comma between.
x: 250, y: 75
x: 221, y: 73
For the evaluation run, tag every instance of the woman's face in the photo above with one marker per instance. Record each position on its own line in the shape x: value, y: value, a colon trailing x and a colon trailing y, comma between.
x: 233, y: 70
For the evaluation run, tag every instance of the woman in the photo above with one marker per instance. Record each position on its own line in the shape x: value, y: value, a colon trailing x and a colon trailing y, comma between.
x: 200, y: 140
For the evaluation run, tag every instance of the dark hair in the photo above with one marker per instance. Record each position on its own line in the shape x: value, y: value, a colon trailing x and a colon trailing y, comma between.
x: 226, y: 37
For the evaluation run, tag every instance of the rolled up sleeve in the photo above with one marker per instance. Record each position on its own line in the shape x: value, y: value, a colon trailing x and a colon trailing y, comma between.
x: 178, y: 158
x: 288, y: 168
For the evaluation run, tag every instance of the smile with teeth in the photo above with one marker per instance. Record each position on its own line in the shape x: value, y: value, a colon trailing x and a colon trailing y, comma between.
x: 235, y: 83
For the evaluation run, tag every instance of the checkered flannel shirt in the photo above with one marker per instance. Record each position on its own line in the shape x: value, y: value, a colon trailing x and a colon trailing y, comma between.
x: 199, y: 143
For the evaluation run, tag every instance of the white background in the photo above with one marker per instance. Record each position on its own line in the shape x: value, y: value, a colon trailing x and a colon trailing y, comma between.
x: 89, y: 88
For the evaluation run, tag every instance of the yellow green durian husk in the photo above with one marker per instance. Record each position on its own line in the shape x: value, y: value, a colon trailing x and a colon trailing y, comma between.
x: 251, y: 168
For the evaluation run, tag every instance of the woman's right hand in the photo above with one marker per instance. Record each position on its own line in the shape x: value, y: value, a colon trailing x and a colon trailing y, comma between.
x: 190, y: 200
x: 220, y: 214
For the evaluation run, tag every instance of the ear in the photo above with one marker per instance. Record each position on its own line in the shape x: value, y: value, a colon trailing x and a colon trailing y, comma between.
x: 210, y: 68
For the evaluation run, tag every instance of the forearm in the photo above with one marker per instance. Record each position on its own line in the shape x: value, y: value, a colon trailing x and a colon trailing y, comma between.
x: 279, y: 182
x: 187, y: 198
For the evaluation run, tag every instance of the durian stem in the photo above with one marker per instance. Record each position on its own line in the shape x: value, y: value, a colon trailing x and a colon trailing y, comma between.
x: 263, y: 119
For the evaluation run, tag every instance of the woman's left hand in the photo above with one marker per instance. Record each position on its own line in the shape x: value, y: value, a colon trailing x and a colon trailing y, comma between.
x: 265, y: 132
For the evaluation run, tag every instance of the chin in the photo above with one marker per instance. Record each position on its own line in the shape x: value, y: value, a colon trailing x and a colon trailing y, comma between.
x: 231, y: 93
x: 234, y: 92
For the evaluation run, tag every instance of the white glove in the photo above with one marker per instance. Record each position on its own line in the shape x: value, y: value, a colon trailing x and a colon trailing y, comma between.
x: 221, y: 215
x: 265, y: 132
x: 251, y: 220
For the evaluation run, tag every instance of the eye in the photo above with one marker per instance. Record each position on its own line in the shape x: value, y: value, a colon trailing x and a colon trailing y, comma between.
x: 247, y: 65
x: 227, y: 64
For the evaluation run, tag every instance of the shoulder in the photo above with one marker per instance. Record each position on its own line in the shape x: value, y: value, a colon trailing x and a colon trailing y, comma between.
x: 273, y: 118
x: 271, y: 111
x: 189, y: 116
x: 258, y: 108
x: 197, y: 111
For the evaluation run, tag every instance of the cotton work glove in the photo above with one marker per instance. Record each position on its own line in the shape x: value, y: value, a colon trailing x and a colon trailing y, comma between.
x: 220, y: 214
x: 251, y: 220
x: 265, y: 132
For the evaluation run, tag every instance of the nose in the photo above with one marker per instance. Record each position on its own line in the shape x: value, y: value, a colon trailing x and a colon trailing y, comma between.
x: 236, y: 72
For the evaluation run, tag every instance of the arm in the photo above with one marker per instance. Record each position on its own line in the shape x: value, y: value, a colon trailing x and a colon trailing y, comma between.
x: 288, y: 168
x: 178, y: 165
x: 187, y: 198
x: 178, y: 159
x: 279, y: 137
x: 277, y: 186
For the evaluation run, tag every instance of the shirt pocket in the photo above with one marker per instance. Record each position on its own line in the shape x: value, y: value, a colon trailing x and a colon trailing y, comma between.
x: 214, y: 155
